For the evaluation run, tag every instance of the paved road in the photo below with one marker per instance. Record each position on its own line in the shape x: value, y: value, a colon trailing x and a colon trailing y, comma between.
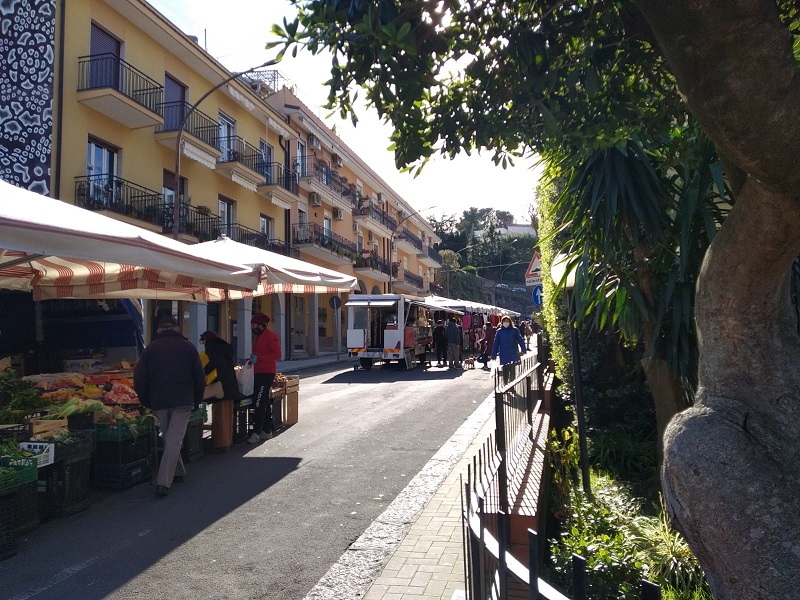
x: 264, y: 522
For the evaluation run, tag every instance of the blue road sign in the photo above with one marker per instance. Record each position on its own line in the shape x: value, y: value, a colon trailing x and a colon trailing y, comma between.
x: 537, y: 295
x: 335, y: 302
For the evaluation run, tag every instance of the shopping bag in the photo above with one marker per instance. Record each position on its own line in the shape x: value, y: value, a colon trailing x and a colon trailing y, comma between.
x: 244, y: 376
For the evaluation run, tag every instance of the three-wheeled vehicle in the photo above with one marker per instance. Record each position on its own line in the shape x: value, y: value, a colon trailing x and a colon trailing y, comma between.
x: 389, y: 327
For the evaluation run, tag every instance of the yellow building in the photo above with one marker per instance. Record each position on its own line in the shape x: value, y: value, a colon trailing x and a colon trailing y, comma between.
x: 116, y: 82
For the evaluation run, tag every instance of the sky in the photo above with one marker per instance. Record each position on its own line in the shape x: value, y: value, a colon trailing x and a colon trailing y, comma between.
x: 235, y: 33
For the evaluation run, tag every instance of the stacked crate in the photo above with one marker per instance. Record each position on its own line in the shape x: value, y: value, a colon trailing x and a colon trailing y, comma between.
x: 291, y: 400
x: 124, y: 455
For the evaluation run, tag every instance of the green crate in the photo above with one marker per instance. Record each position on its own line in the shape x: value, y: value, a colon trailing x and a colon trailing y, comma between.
x: 200, y: 414
x: 117, y: 432
x: 22, y: 470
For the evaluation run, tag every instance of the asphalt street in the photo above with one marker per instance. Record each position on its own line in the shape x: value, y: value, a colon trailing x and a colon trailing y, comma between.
x: 260, y: 522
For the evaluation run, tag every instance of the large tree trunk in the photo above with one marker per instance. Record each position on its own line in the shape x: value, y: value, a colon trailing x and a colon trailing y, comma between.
x: 667, y: 396
x: 731, y: 472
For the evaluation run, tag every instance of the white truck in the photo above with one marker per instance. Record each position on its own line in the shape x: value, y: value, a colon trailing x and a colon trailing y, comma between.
x: 390, y: 327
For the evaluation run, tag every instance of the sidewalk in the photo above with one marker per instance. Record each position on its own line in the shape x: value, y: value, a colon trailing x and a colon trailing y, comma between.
x: 300, y: 364
x: 414, y: 549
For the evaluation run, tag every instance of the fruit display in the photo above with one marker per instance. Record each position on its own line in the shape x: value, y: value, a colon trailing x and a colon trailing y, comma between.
x: 111, y: 389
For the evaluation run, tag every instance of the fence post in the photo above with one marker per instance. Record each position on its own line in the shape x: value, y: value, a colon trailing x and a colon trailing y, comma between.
x: 466, y: 538
x: 480, y: 593
x: 579, y: 577
x: 500, y: 428
x: 533, y: 565
x: 502, y: 547
x: 650, y: 590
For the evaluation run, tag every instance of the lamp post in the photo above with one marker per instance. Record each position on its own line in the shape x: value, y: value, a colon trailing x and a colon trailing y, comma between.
x: 558, y: 271
x: 392, y: 245
x: 519, y: 262
x: 176, y: 202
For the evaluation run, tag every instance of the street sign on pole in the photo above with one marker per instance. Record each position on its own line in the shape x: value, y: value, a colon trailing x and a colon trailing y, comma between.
x: 537, y: 296
x: 533, y: 276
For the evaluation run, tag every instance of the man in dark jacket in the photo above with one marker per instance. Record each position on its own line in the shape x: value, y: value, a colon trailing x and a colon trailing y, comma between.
x: 453, y: 334
x: 169, y: 379
x: 440, y: 343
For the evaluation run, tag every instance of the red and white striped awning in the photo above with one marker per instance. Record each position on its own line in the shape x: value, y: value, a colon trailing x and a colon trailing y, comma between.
x: 58, y: 250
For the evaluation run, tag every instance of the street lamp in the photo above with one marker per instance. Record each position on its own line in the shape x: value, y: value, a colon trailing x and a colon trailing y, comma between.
x: 519, y: 262
x: 392, y: 245
x: 558, y: 271
x: 176, y: 201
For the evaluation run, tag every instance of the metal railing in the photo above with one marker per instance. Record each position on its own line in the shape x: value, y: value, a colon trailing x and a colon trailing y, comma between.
x: 411, y: 239
x: 490, y: 568
x: 245, y: 235
x: 110, y: 71
x: 104, y: 191
x: 235, y: 149
x: 376, y: 214
x: 411, y: 279
x: 276, y: 174
x: 313, y: 233
x: 370, y: 260
x: 432, y: 253
x: 198, y: 124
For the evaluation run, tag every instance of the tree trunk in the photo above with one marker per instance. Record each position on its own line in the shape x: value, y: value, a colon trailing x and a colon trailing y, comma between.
x: 731, y: 473
x: 667, y: 396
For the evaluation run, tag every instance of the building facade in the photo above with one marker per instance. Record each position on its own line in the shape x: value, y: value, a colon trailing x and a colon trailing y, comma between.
x: 97, y: 108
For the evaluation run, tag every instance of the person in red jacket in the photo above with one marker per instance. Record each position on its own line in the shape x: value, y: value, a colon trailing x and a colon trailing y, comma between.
x: 265, y: 356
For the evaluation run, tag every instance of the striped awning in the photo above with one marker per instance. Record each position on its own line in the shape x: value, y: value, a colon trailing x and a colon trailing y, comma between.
x: 58, y: 250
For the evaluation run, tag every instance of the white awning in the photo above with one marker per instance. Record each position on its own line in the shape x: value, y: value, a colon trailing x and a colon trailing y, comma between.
x: 366, y: 302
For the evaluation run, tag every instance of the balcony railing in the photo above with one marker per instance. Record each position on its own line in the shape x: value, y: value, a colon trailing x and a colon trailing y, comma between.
x: 411, y: 279
x: 198, y: 124
x: 251, y: 237
x: 432, y: 253
x: 235, y: 149
x: 370, y: 260
x: 105, y: 191
x: 412, y: 239
x: 276, y: 174
x: 110, y: 71
x: 378, y: 215
x: 313, y: 233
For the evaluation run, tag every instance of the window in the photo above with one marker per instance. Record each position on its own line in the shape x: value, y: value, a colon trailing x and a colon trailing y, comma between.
x: 360, y: 243
x: 105, y: 50
x: 266, y: 153
x: 168, y: 187
x: 266, y: 226
x: 302, y: 156
x: 101, y: 170
x: 326, y: 226
x: 227, y: 137
x: 174, y: 103
x: 225, y: 216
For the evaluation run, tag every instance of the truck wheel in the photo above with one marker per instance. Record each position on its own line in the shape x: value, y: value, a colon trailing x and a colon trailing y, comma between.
x: 366, y: 363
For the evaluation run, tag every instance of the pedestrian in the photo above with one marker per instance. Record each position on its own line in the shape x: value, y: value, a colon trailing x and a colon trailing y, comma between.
x: 169, y: 379
x: 265, y: 357
x: 219, y: 368
x: 440, y: 343
x: 527, y: 332
x: 453, y: 336
x: 487, y: 342
x: 506, y: 341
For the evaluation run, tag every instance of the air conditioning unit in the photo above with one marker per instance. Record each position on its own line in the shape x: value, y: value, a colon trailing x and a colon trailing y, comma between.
x: 401, y: 214
x: 356, y: 227
x: 314, y: 199
x: 313, y: 142
x: 336, y: 160
x: 338, y: 214
x: 380, y: 197
x: 371, y: 237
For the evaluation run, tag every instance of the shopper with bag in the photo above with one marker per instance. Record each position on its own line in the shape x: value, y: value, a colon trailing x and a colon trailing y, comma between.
x: 169, y: 379
x: 222, y: 389
x: 265, y: 356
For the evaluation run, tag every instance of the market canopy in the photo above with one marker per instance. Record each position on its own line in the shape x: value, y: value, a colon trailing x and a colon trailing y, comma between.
x: 468, y: 306
x: 280, y: 274
x: 58, y: 250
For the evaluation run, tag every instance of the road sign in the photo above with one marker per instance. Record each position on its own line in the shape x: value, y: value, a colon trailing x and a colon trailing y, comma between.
x: 535, y: 268
x: 537, y: 296
x: 335, y: 302
x: 535, y: 280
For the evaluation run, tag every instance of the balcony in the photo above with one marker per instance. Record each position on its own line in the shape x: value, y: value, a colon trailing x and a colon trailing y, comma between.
x: 240, y: 162
x: 114, y: 88
x: 405, y: 280
x: 199, y: 133
x: 317, y: 176
x: 251, y: 237
x: 373, y: 266
x: 378, y: 220
x: 105, y: 192
x: 314, y: 240
x: 430, y: 257
x: 408, y: 242
x: 279, y: 184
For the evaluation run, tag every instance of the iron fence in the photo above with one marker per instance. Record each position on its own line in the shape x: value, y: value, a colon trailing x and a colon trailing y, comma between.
x: 313, y: 233
x: 198, y: 124
x: 109, y: 71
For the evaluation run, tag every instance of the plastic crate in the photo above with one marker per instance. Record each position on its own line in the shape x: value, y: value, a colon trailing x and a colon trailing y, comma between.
x: 8, y: 517
x: 22, y: 470
x: 121, y: 477
x: 65, y: 486
x: 83, y: 445
x: 115, y: 454
x: 200, y: 414
x: 192, y: 448
x: 45, y: 452
x: 80, y: 421
x: 27, y: 508
x: 108, y: 432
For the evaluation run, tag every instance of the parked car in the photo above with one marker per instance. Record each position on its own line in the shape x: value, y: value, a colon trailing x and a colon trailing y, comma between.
x: 521, y: 289
x: 503, y: 286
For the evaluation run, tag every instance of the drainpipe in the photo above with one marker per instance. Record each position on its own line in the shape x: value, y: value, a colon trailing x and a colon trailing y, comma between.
x: 59, y: 130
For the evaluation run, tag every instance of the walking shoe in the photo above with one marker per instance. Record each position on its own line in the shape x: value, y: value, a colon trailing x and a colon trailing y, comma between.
x: 265, y: 435
x: 254, y: 438
x: 162, y: 490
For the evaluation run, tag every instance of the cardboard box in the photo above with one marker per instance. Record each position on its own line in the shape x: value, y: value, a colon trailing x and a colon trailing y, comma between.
x: 291, y: 408
x: 40, y: 426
